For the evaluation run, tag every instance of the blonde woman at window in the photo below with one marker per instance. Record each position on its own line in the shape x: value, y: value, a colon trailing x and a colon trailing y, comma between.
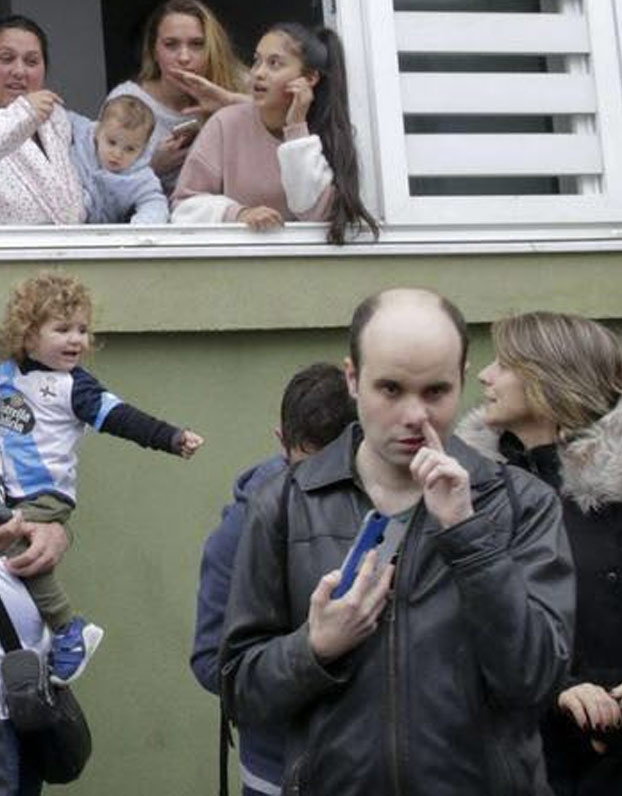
x: 182, y: 36
x: 552, y: 406
x: 38, y: 183
x: 289, y: 155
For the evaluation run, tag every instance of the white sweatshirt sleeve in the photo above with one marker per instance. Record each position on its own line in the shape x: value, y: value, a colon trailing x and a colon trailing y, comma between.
x: 305, y: 173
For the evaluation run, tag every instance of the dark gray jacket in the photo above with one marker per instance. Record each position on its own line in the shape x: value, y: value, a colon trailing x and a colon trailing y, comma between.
x: 444, y: 699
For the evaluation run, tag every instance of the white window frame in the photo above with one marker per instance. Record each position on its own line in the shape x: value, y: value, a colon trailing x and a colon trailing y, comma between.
x: 449, y: 225
x: 368, y: 28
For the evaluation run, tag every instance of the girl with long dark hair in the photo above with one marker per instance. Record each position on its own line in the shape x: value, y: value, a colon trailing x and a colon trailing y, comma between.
x: 288, y: 155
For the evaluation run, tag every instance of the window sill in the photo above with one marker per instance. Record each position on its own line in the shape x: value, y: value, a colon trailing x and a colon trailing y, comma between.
x: 118, y: 242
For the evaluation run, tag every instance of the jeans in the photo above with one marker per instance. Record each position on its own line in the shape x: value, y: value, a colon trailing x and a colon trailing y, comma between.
x: 17, y: 776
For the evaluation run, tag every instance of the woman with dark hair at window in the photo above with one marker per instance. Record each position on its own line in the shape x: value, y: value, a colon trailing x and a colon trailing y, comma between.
x: 289, y: 155
x: 38, y: 183
x: 182, y: 36
x: 552, y: 406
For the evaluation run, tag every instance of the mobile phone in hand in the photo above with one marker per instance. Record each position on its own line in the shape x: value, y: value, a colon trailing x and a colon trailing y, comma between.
x: 187, y: 129
x: 377, y: 532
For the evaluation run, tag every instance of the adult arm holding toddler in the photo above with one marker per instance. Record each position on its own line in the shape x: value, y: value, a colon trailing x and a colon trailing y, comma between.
x: 287, y: 156
x: 38, y: 183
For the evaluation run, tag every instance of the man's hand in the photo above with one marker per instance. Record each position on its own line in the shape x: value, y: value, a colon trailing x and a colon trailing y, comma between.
x: 48, y: 543
x: 11, y: 530
x: 444, y: 482
x: 337, y: 626
x: 592, y: 708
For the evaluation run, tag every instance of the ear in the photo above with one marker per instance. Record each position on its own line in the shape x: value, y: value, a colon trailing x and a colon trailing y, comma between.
x: 313, y: 77
x: 351, y: 377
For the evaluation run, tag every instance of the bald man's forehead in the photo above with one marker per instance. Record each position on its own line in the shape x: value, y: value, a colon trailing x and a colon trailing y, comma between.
x: 419, y: 329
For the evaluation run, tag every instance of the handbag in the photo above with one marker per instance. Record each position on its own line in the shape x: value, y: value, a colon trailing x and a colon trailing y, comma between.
x: 48, y: 719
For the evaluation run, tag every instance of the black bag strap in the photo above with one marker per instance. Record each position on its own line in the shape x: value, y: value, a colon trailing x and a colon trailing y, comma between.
x: 226, y: 738
x: 8, y: 636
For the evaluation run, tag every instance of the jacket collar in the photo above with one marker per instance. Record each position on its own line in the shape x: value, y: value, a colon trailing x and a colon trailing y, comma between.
x: 335, y: 463
x: 590, y: 464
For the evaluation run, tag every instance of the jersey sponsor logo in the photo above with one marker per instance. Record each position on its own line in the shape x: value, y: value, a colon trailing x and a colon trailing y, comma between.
x: 15, y: 414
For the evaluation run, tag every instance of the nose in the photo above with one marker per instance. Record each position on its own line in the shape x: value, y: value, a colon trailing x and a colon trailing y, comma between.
x: 257, y: 69
x: 183, y: 55
x: 18, y: 67
x: 484, y: 376
x: 415, y: 412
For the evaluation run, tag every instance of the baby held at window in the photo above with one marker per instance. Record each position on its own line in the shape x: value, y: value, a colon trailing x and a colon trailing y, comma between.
x: 288, y: 155
x: 112, y: 158
x: 47, y: 400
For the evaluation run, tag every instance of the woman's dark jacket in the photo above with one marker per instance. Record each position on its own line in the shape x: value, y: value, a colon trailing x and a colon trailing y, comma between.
x: 444, y: 698
x: 587, y: 472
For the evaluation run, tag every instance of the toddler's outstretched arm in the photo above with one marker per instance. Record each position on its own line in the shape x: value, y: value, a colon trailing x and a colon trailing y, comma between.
x: 189, y: 443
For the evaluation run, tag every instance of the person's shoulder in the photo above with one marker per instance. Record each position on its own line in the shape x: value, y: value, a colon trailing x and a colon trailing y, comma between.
x: 486, y: 474
x: 331, y: 465
x: 253, y: 477
x: 239, y: 112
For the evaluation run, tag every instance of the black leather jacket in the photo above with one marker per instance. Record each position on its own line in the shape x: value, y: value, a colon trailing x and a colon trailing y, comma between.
x: 444, y: 699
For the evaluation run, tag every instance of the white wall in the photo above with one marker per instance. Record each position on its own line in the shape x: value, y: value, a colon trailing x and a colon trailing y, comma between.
x: 77, y: 64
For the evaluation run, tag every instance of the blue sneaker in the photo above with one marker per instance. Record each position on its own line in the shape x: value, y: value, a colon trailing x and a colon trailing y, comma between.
x: 72, y: 648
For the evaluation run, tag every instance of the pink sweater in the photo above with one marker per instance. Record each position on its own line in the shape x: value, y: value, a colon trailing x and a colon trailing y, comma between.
x: 235, y: 162
x: 37, y: 187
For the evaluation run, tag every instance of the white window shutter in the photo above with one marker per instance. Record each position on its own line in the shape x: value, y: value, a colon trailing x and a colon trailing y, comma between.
x: 583, y: 97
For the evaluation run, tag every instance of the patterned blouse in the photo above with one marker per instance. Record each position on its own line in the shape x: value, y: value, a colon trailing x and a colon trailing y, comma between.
x: 38, y: 184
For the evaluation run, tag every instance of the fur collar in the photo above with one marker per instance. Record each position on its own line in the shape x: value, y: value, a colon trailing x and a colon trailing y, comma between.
x: 591, y: 464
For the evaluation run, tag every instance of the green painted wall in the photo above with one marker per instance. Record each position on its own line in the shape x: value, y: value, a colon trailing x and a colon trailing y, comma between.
x: 211, y: 344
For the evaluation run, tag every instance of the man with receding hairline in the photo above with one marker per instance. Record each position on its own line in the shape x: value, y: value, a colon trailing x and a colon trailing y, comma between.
x: 427, y: 678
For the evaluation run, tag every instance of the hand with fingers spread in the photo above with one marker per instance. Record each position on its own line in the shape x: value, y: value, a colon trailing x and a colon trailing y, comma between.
x: 210, y: 97
x: 11, y: 530
x: 592, y: 708
x: 48, y: 544
x: 301, y: 93
x: 444, y: 482
x: 338, y: 626
x: 43, y: 102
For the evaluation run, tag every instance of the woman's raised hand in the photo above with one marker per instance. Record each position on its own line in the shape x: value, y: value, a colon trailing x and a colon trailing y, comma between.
x: 43, y: 102
x: 301, y: 92
x: 210, y: 96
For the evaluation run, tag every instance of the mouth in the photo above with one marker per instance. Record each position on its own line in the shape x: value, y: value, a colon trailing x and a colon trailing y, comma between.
x: 411, y: 444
